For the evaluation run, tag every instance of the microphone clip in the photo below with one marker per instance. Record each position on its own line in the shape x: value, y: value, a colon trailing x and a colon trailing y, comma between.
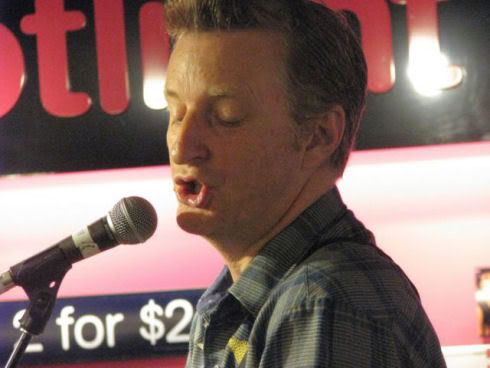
x: 40, y: 277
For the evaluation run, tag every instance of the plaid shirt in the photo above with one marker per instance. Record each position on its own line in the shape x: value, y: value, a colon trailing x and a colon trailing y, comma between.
x: 320, y: 294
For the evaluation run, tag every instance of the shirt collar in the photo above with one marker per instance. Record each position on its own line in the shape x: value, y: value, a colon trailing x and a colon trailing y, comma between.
x: 215, y: 293
x: 283, y: 252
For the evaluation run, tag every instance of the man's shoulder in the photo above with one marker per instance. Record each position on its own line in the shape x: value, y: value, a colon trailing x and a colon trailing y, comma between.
x: 352, y: 289
x: 347, y: 275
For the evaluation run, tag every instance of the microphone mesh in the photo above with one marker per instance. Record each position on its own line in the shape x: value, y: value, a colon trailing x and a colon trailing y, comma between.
x: 134, y: 220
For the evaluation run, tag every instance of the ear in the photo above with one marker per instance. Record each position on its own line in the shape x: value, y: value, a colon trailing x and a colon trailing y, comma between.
x: 324, y: 138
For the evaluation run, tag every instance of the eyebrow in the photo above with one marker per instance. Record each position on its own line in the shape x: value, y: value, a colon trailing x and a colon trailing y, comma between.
x: 214, y: 92
x: 222, y: 92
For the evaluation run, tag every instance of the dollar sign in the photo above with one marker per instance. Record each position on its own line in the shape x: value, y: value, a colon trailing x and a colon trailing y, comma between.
x: 155, y: 328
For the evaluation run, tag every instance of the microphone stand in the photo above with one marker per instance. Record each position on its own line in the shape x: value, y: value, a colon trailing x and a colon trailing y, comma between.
x: 19, y: 348
x: 40, y: 277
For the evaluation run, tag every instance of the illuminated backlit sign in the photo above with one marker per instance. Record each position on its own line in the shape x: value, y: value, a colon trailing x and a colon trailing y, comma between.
x: 50, y: 23
x: 82, y: 80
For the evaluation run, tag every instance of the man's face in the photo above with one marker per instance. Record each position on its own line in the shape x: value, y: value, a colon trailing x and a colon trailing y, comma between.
x: 235, y: 160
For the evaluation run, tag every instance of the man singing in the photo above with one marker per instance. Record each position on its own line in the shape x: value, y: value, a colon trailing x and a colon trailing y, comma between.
x: 265, y: 99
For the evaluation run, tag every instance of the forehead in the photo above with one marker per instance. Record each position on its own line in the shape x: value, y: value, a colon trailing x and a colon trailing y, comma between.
x: 226, y: 60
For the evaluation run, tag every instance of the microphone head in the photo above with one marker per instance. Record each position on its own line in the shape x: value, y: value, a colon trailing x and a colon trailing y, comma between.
x: 134, y: 220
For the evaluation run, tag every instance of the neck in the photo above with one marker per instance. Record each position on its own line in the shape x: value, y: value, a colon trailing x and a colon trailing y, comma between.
x: 238, y: 254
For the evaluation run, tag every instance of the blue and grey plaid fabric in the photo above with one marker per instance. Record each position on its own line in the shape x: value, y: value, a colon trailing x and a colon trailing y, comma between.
x: 320, y: 294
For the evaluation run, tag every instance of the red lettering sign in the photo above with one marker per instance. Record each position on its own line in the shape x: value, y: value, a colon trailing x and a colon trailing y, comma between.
x: 11, y: 70
x: 155, y: 50
x: 375, y: 20
x: 428, y: 69
x: 112, y: 63
x: 50, y: 23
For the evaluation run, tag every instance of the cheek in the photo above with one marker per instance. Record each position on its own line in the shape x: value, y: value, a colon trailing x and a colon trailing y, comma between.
x: 261, y: 170
x: 172, y: 131
x: 260, y: 161
x: 170, y: 139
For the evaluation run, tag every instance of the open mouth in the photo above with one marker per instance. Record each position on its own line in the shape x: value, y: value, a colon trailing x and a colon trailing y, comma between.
x: 194, y: 187
x: 191, y: 192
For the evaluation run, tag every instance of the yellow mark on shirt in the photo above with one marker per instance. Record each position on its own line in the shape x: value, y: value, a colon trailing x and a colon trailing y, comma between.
x: 239, y: 348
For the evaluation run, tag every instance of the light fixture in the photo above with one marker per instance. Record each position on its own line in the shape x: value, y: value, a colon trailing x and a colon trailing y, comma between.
x: 153, y: 93
x: 429, y: 70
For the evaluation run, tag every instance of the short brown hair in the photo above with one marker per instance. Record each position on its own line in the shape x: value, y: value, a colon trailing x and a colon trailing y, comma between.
x: 325, y: 63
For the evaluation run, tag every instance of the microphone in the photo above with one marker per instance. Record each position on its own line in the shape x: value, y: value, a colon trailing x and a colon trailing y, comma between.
x: 132, y: 220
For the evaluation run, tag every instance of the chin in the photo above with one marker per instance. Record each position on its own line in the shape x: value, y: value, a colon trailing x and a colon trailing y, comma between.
x: 194, y: 222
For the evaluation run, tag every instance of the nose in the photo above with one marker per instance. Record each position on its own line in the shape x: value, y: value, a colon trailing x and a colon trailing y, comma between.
x: 187, y: 140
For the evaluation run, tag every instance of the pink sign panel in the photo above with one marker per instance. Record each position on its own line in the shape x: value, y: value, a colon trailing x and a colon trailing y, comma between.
x: 429, y: 208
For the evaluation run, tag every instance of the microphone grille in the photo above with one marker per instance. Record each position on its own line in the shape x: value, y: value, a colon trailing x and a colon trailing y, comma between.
x: 134, y: 220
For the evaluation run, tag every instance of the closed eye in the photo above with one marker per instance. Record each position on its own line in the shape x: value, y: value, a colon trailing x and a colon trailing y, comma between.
x: 230, y: 123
